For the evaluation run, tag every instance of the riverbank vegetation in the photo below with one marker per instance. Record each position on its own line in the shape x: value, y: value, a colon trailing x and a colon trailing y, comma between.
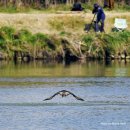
x: 23, y: 45
x: 41, y: 34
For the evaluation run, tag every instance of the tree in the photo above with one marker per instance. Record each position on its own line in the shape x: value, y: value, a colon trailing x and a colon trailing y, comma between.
x: 109, y: 3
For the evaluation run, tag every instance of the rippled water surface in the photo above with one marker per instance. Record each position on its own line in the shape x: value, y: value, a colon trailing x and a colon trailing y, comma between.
x: 106, y: 105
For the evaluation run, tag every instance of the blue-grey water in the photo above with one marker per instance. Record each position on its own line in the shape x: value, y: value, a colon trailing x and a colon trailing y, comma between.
x: 106, y: 105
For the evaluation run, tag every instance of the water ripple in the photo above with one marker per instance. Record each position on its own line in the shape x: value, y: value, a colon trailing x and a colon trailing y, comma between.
x: 92, y: 103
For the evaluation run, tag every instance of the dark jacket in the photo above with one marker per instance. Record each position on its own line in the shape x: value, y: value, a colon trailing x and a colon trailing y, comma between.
x: 77, y: 7
x: 100, y: 13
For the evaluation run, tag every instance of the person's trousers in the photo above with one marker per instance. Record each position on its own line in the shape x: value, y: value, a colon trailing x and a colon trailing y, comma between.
x: 101, y: 28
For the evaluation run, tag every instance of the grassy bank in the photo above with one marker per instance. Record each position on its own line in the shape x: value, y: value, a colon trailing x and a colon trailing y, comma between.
x: 55, y: 36
x: 24, y: 44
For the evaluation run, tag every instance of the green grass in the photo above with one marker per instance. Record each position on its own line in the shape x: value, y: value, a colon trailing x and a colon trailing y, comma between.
x: 117, y: 41
x: 12, y: 9
x: 23, y: 40
x: 121, y: 8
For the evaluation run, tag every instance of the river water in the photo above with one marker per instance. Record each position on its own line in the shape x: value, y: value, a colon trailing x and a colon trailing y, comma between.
x: 104, y: 87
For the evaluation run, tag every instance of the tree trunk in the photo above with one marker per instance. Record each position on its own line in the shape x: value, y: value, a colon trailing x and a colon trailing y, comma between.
x: 47, y: 2
x: 111, y: 4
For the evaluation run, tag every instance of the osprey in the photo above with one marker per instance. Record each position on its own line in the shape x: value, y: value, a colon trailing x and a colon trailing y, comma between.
x: 64, y: 93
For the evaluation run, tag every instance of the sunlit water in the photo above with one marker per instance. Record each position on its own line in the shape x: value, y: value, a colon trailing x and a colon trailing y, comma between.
x: 106, y: 105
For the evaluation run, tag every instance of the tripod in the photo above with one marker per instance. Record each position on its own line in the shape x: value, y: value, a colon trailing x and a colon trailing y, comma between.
x: 88, y: 26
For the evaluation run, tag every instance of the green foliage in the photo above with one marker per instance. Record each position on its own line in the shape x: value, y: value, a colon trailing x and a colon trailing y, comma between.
x: 121, y: 8
x: 23, y: 40
x: 125, y: 36
x: 7, y: 32
x: 2, y: 40
x: 127, y: 7
x: 88, y: 41
x: 14, y: 9
x: 24, y: 35
x: 116, y: 41
x: 41, y: 37
x: 38, y: 38
x: 88, y: 6
x: 10, y: 9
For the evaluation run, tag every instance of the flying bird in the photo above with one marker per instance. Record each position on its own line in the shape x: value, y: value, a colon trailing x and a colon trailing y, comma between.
x: 64, y: 93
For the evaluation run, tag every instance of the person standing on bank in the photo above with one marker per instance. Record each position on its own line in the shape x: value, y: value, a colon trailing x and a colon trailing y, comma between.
x: 100, y: 17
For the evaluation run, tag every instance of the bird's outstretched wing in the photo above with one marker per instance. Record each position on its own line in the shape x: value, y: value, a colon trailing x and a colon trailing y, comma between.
x: 78, y: 98
x: 51, y: 96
